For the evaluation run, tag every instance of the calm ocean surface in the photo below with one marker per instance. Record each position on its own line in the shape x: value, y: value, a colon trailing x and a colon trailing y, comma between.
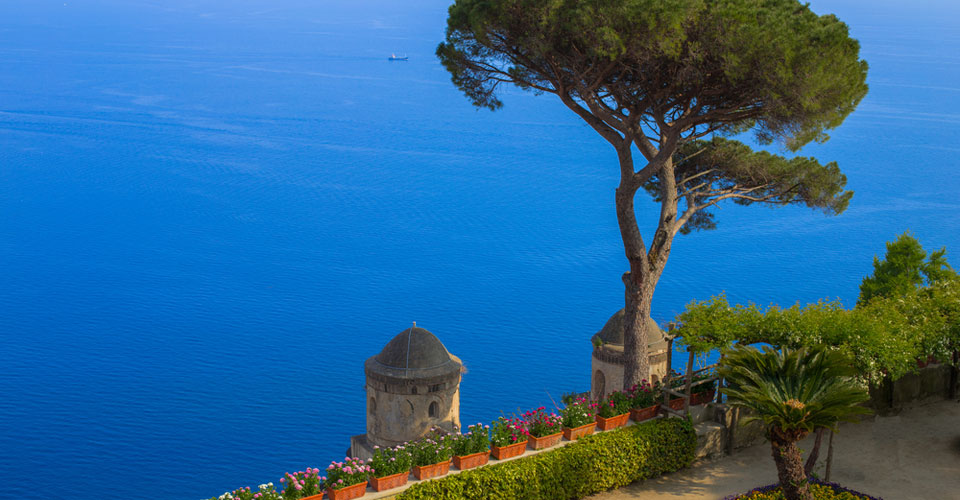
x: 212, y: 212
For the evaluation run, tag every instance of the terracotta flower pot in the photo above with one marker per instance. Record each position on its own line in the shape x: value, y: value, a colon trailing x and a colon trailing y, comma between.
x: 539, y: 443
x: 348, y: 492
x: 509, y: 451
x: 605, y: 424
x: 472, y: 460
x: 641, y: 414
x: 702, y: 397
x: 389, y: 482
x: 574, y: 433
x: 318, y: 496
x: 676, y: 404
x: 432, y: 470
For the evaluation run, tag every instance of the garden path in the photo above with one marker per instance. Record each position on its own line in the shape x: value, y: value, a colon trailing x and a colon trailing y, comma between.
x: 913, y: 455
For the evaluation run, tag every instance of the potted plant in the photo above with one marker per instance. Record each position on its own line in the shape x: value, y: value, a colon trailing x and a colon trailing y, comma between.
x: 431, y: 455
x: 703, y: 393
x: 677, y: 383
x: 390, y: 467
x: 265, y: 492
x: 613, y: 411
x: 508, y: 438
x: 544, y: 429
x: 473, y: 448
x: 300, y: 485
x: 644, y: 401
x: 578, y: 419
x: 347, y: 479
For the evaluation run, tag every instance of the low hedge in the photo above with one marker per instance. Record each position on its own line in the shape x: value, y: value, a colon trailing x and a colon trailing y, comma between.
x: 821, y: 491
x: 590, y: 465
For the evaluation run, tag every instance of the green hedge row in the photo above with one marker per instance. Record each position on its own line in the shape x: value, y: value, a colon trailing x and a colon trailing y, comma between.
x: 590, y: 465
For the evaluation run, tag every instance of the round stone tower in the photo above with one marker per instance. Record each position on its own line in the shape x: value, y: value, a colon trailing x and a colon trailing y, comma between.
x: 607, y: 359
x: 412, y: 385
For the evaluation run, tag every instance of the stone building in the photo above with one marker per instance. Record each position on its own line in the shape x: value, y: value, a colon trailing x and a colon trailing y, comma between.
x: 607, y: 358
x: 413, y: 384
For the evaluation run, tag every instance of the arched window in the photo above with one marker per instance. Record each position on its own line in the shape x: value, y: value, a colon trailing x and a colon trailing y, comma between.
x: 413, y: 390
x: 372, y: 406
x: 599, y: 383
x: 654, y: 379
x: 434, y: 409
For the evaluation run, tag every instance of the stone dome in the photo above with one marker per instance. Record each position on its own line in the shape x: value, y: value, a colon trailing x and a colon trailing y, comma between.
x: 612, y: 331
x: 414, y: 354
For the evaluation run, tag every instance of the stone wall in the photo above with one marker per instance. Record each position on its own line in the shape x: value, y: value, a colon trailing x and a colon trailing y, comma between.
x: 932, y: 380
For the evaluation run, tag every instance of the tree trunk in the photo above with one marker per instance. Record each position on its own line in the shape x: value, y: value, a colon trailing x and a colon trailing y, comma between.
x: 814, y: 454
x: 826, y: 474
x: 789, y: 462
x: 635, y: 336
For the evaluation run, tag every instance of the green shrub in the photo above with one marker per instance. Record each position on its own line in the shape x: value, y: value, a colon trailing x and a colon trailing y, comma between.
x: 589, y: 465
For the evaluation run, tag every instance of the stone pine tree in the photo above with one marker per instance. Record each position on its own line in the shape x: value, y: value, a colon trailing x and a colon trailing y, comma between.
x: 662, y: 81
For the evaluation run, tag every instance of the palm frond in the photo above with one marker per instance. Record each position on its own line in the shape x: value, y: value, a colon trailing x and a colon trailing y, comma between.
x: 795, y: 390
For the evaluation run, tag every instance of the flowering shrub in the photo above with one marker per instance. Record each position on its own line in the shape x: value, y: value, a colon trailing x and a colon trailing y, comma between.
x: 617, y: 403
x: 301, y: 484
x: 504, y: 431
x: 539, y: 423
x: 643, y: 395
x: 432, y: 449
x: 476, y: 440
x: 576, y: 413
x: 265, y: 492
x: 390, y: 461
x: 347, y: 473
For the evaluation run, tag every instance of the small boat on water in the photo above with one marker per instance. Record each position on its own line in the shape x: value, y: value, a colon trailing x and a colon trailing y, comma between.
x: 394, y: 57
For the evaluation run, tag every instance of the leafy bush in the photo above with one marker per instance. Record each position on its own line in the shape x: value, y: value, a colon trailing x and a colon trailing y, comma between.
x: 539, y: 423
x: 507, y: 431
x: 591, y: 464
x: 390, y: 461
x: 476, y: 440
x: 820, y: 490
x: 617, y: 403
x: 576, y: 413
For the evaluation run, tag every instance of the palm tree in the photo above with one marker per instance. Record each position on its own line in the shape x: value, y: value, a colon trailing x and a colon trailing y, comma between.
x: 793, y: 392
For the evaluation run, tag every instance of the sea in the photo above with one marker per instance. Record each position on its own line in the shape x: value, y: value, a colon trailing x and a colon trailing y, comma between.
x: 211, y: 213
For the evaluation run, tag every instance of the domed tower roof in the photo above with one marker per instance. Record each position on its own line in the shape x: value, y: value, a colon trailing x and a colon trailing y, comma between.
x: 414, y: 354
x: 612, y: 332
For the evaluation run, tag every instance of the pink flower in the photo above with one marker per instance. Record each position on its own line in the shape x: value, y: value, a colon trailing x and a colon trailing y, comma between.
x: 299, y: 487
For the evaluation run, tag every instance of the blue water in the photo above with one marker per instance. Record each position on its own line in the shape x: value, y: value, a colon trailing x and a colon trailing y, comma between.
x: 212, y: 212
